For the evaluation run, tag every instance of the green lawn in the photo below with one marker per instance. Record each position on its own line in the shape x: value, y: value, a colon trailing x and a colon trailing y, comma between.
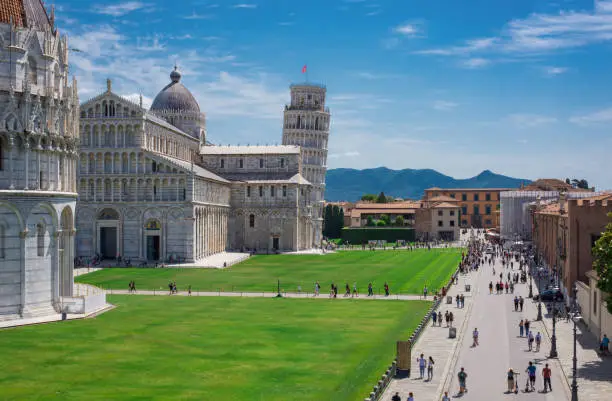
x: 180, y: 348
x: 405, y: 271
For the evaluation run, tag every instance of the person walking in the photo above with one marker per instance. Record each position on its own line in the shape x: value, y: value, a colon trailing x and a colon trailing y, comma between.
x: 370, y: 290
x: 475, y: 337
x: 317, y: 289
x: 527, y: 324
x: 439, y: 318
x: 396, y: 397
x: 491, y: 287
x: 457, y: 301
x: 530, y: 341
x: 462, y: 376
x: 538, y: 341
x: 430, y: 367
x: 531, y: 371
x: 425, y: 292
x: 516, y: 304
x: 462, y: 301
x: 546, y: 375
x: 451, y: 318
x: 410, y: 397
x: 422, y: 364
x: 521, y: 301
x: 446, y: 318
x: 434, y: 317
x: 446, y: 397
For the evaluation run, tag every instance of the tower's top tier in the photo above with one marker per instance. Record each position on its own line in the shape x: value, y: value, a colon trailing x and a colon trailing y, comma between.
x: 307, y: 97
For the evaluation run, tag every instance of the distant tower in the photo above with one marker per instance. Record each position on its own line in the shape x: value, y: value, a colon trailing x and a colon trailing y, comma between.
x: 306, y: 124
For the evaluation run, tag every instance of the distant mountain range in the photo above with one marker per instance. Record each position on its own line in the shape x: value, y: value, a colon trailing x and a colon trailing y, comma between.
x: 347, y: 184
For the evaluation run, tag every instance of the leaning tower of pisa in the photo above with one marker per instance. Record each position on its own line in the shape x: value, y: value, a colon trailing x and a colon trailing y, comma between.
x: 306, y: 124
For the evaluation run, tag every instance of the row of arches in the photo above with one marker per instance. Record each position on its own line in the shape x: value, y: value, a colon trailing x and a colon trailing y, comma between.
x: 122, y: 163
x: 133, y: 190
x: 36, y: 162
x: 306, y: 122
x: 108, y: 108
x: 109, y: 135
x: 181, y: 148
x: 39, y: 235
x: 312, y: 140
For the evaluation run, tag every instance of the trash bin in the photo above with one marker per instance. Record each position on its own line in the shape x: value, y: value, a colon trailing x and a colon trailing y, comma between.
x: 452, y: 332
x: 449, y: 300
x: 467, y: 288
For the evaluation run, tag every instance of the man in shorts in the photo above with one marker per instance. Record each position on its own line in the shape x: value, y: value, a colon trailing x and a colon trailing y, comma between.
x: 546, y: 375
x: 531, y: 371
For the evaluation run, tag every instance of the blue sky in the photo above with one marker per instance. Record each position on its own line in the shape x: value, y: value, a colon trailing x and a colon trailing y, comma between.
x: 519, y: 87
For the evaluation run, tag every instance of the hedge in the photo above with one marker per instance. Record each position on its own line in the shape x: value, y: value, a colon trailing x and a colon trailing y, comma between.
x: 392, y: 234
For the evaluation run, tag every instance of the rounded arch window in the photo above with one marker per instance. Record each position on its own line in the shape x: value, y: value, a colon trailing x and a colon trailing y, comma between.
x: 153, y: 224
x: 108, y: 214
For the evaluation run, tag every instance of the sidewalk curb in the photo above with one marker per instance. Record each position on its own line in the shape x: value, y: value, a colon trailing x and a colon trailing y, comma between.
x: 452, y: 363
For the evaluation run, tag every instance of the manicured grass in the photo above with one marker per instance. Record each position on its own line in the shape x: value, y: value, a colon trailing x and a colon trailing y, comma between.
x: 405, y: 271
x: 181, y: 348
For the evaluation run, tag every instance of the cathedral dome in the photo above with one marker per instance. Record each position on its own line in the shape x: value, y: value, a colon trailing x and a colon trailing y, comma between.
x: 175, y: 97
x: 25, y: 13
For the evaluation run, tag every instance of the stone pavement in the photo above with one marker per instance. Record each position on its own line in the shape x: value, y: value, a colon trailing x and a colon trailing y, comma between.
x: 266, y: 295
x: 501, y: 347
x: 434, y: 342
x: 594, y: 372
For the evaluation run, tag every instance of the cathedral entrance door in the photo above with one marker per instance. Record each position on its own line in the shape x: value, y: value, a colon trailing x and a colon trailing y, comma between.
x: 153, y: 247
x: 275, y: 243
x: 108, y: 242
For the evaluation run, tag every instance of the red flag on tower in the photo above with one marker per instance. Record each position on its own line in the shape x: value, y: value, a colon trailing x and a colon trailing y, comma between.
x: 304, y: 69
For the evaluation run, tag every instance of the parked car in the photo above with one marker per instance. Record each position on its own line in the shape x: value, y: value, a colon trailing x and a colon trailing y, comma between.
x: 550, y: 295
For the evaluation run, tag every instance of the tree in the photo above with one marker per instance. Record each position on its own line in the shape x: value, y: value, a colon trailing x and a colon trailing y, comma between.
x: 369, y: 197
x: 381, y: 198
x: 576, y: 183
x: 602, y: 262
x: 340, y: 225
x: 370, y: 222
x: 386, y: 219
x: 399, y: 221
x: 327, y: 221
x: 381, y: 223
x: 334, y: 229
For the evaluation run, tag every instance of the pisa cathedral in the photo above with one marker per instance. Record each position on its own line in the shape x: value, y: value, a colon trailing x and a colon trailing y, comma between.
x: 152, y: 188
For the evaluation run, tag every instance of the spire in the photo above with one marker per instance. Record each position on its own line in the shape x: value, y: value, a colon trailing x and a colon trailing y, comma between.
x: 109, y: 85
x: 141, y: 100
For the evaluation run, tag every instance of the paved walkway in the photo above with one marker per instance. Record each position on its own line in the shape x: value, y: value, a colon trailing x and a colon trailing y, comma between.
x: 594, y: 371
x: 266, y: 295
x: 501, y: 347
x: 434, y: 342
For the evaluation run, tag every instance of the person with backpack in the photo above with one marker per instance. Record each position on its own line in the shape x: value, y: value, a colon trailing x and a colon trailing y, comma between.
x: 538, y: 341
x: 530, y: 341
x: 462, y: 376
x: 434, y: 317
x: 396, y: 397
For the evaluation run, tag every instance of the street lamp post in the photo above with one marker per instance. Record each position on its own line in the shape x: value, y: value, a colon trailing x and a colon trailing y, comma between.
x: 553, y: 339
x: 574, y: 359
x: 539, y: 318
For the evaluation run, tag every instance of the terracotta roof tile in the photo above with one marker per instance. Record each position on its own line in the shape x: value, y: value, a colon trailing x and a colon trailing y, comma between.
x: 445, y: 205
x: 388, y: 206
x: 24, y: 13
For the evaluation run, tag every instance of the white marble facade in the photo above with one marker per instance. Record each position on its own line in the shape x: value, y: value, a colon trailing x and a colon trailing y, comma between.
x: 152, y: 189
x: 38, y: 153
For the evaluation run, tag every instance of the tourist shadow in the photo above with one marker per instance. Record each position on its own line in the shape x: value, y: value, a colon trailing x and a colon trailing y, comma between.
x: 596, y: 370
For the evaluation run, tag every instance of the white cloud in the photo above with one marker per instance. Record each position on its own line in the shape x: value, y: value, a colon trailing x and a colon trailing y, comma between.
x: 529, y: 120
x: 552, y: 71
x: 345, y: 154
x: 407, y: 29
x: 135, y: 98
x: 540, y: 34
x: 244, y: 5
x: 475, y: 62
x: 196, y: 16
x: 601, y: 116
x: 118, y: 10
x: 443, y: 105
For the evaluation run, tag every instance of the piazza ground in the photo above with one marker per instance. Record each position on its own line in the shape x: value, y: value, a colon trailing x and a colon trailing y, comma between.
x: 405, y: 271
x: 160, y: 348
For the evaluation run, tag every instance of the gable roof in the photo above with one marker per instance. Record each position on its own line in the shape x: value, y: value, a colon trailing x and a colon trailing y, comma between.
x: 187, y: 166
